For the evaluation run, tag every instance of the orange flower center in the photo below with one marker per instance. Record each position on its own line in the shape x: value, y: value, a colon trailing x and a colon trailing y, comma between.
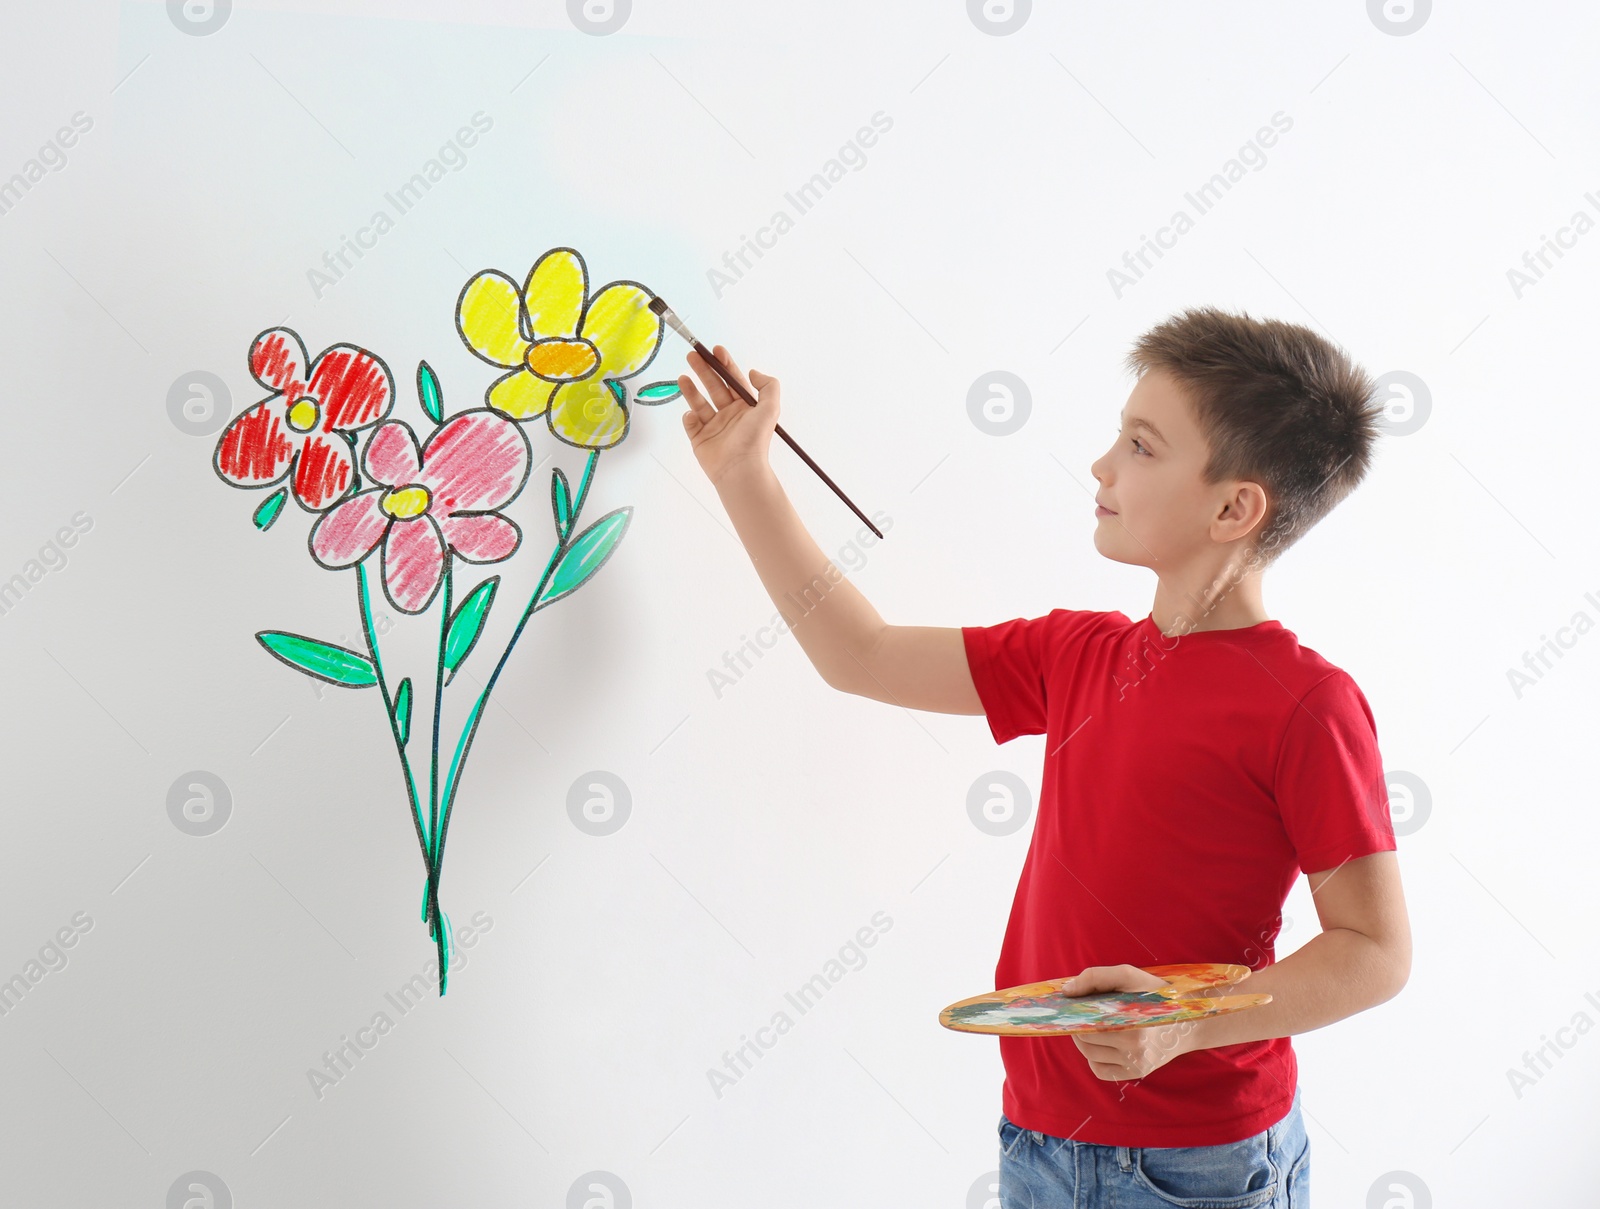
x: 404, y: 503
x: 560, y: 359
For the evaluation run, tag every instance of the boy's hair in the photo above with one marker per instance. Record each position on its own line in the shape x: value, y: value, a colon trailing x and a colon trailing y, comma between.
x: 1279, y: 405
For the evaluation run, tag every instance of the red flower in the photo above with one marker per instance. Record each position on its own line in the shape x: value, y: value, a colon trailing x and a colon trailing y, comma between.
x: 345, y: 389
x: 432, y: 502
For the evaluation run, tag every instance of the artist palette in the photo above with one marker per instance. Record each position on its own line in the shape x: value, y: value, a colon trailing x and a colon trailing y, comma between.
x: 1041, y: 1009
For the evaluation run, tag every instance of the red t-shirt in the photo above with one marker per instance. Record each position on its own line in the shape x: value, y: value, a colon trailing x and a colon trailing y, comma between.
x: 1187, y: 782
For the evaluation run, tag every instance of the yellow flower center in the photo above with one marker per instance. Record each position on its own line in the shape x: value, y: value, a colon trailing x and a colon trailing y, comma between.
x: 304, y: 414
x: 562, y: 360
x: 404, y: 503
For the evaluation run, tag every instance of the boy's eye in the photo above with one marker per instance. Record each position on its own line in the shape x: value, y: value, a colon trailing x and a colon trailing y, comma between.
x: 1137, y: 446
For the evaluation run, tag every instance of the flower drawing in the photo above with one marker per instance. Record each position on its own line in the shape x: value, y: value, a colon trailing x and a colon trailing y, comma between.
x: 568, y: 352
x: 429, y: 508
x: 299, y: 431
x: 429, y: 503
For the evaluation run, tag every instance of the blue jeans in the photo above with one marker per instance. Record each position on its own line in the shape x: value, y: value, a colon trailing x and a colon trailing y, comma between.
x: 1270, y: 1170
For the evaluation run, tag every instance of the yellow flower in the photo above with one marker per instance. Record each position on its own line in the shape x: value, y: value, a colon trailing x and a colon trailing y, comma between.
x: 567, y: 352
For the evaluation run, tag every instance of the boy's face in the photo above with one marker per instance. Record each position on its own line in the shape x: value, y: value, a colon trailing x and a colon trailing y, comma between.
x: 1150, y: 478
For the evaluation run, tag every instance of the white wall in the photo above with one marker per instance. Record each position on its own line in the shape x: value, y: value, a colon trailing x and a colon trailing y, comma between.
x: 773, y: 820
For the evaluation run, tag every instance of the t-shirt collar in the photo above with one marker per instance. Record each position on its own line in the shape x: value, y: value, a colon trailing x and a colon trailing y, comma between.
x: 1250, y: 633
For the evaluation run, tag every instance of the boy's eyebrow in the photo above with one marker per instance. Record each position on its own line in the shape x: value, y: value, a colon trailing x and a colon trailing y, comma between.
x: 1140, y: 422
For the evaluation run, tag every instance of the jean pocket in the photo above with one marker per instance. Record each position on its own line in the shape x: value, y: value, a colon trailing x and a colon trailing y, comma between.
x: 1235, y: 1175
x: 1010, y: 1136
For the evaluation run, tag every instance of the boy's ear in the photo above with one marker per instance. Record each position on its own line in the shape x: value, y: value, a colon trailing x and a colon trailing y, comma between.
x: 1242, y: 513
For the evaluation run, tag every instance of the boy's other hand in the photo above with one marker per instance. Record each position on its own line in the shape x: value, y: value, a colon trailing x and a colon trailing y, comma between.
x: 1128, y: 1053
x: 727, y: 434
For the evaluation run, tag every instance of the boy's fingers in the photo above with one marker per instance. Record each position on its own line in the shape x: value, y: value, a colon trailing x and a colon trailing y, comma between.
x: 716, y: 388
x: 1112, y: 978
x: 726, y: 358
x: 696, y: 401
x: 767, y: 393
x: 761, y: 381
x: 1091, y: 1047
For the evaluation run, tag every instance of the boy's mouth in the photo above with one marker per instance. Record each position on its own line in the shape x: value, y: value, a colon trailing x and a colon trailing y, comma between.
x: 1101, y: 510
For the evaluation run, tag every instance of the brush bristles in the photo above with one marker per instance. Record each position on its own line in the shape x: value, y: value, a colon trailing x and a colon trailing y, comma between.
x: 672, y: 320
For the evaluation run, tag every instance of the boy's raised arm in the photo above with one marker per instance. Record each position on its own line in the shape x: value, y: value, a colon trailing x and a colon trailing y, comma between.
x: 850, y: 645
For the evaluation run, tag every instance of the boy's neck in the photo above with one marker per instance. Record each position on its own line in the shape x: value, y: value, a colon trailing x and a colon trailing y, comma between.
x: 1211, y: 600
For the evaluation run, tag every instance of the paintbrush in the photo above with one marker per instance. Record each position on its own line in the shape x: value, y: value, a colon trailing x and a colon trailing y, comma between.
x: 660, y: 307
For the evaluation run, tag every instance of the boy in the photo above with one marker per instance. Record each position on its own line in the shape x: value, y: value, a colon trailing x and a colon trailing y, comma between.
x: 1195, y: 760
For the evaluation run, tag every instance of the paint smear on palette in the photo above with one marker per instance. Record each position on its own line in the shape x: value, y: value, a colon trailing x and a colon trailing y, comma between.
x: 1041, y: 1009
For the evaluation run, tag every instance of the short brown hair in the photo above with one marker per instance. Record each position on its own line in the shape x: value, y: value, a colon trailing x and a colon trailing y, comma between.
x: 1279, y: 405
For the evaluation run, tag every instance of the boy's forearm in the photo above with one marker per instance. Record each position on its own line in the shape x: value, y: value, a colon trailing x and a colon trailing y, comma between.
x: 1337, y: 973
x: 831, y: 620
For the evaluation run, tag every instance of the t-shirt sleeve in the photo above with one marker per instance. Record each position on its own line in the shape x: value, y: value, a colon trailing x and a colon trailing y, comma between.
x: 1013, y: 662
x: 1329, y: 783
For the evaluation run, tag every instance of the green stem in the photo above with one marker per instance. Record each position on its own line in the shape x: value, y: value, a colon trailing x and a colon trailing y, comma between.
x: 436, y: 922
x: 364, y: 598
x: 469, y: 728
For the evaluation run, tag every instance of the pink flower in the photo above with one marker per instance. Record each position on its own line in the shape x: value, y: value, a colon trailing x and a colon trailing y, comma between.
x: 302, y: 425
x: 433, y: 502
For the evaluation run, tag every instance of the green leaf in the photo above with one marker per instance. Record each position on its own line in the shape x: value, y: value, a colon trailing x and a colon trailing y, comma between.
x: 657, y: 392
x: 269, y: 509
x: 467, y: 623
x: 587, y: 553
x: 323, y: 660
x: 402, y: 711
x: 428, y: 391
x: 561, y: 503
x: 617, y: 389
